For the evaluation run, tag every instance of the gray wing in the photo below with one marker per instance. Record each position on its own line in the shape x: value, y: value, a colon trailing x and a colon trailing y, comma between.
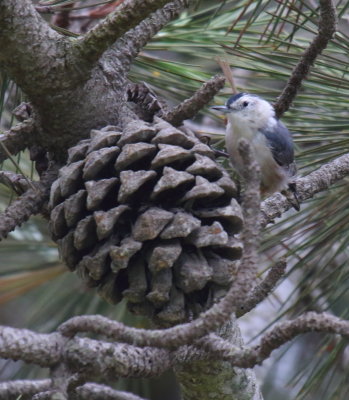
x: 280, y: 141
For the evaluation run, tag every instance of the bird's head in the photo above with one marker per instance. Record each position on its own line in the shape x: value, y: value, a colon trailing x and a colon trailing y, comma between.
x: 245, y: 108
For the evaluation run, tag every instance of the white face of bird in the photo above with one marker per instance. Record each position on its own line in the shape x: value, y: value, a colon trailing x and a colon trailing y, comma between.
x: 248, y: 110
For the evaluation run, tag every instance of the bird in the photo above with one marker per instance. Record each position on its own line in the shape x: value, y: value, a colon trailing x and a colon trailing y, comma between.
x: 253, y: 118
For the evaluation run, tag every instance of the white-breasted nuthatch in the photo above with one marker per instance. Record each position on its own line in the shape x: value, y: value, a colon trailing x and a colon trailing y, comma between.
x: 252, y: 118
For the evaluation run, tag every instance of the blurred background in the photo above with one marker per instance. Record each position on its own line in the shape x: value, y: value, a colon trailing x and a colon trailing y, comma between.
x: 262, y: 41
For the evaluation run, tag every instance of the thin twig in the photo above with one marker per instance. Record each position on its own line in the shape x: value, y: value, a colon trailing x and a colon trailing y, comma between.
x: 17, y: 182
x: 89, y: 47
x: 327, y: 28
x: 131, y: 43
x: 190, y: 107
x: 280, y: 334
x: 14, y: 389
x: 18, y: 138
x: 50, y: 395
x: 93, y: 391
x: 307, y: 187
x: 74, y: 382
x: 262, y: 290
x: 46, y: 9
x: 15, y: 163
x: 30, y: 203
x: 247, y: 271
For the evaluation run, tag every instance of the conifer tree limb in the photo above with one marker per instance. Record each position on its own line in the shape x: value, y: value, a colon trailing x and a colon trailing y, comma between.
x: 18, y: 138
x: 263, y: 289
x: 280, y: 334
x: 21, y: 29
x: 89, y: 391
x: 190, y: 107
x: 15, y: 389
x: 131, y: 43
x: 247, y: 270
x: 326, y: 30
x: 93, y: 391
x: 307, y: 186
x: 88, y: 48
x: 30, y: 203
x: 16, y: 182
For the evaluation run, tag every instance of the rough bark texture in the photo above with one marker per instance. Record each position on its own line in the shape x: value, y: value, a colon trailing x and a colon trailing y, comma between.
x: 317, y: 181
x: 25, y: 388
x: 190, y: 107
x: 280, y: 334
x: 92, y: 358
x: 43, y: 350
x: 263, y: 289
x: 30, y: 203
x: 219, y: 380
x: 65, y: 107
x: 60, y: 78
x: 92, y: 45
x: 16, y: 139
x: 31, y: 71
x: 109, y: 360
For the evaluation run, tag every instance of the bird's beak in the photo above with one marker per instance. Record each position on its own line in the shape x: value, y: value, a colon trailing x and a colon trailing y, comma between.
x: 222, y: 109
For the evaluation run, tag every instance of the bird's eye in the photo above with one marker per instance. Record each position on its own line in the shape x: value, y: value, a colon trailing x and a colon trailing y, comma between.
x: 245, y: 103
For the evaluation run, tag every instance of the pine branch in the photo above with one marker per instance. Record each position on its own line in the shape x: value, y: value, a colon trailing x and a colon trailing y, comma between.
x: 30, y: 203
x: 15, y: 389
x: 280, y: 334
x: 93, y: 391
x: 88, y: 391
x: 89, y: 48
x: 247, y: 272
x: 263, y: 289
x: 150, y: 105
x: 326, y: 30
x: 50, y: 395
x: 22, y: 344
x: 21, y: 28
x: 307, y: 187
x: 190, y: 107
x: 73, y: 383
x: 130, y: 44
x: 16, y: 182
x: 110, y: 360
x: 94, y: 358
x: 113, y: 359
x: 18, y: 138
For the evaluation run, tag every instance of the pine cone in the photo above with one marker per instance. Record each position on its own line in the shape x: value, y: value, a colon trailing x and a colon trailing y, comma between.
x: 148, y: 215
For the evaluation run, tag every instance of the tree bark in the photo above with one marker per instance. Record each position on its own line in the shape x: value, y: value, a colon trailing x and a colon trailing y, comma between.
x: 219, y: 380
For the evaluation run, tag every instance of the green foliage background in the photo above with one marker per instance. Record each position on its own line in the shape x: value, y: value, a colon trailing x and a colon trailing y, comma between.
x: 262, y: 40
